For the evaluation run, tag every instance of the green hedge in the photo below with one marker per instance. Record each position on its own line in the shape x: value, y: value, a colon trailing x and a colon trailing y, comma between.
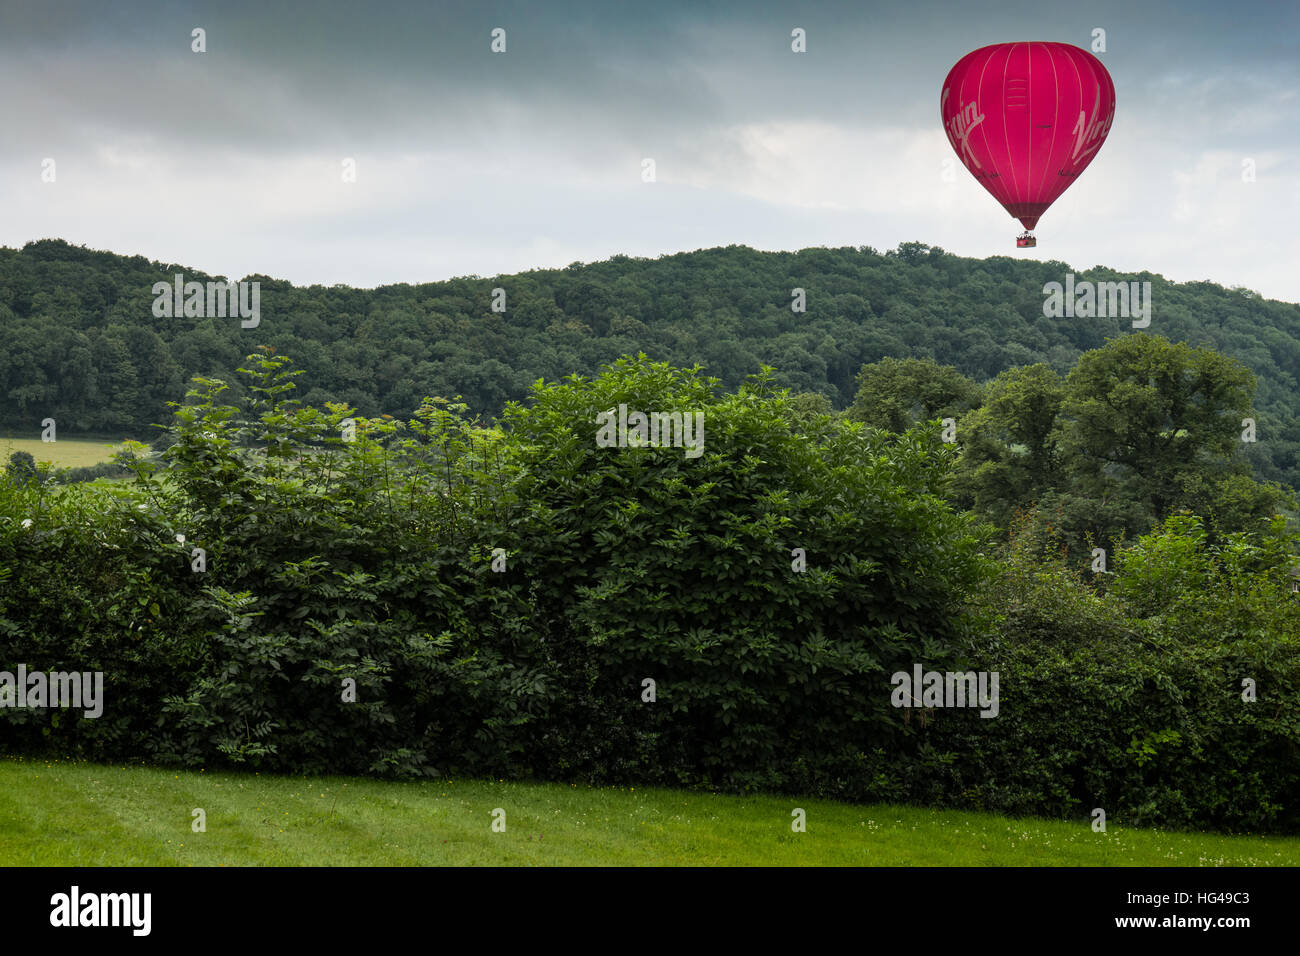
x: 499, y: 595
x: 1139, y: 710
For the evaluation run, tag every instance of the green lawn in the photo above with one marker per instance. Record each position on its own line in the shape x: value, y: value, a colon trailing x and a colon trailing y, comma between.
x: 60, y: 813
x: 64, y: 453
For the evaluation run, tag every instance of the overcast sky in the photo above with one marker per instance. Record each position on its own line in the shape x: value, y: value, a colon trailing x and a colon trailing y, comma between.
x: 470, y: 162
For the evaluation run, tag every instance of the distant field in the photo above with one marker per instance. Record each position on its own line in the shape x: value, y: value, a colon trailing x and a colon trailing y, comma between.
x: 64, y: 453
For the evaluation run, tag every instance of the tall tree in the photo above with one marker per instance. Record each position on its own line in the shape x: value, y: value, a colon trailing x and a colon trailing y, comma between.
x: 1010, y: 446
x: 1146, y: 413
x: 894, y: 394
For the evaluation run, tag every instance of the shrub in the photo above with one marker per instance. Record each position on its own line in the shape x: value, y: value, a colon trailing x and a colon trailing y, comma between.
x: 432, y: 596
x: 652, y: 564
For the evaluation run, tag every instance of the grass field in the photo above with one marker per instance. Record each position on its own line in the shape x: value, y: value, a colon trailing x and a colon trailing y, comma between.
x: 59, y: 813
x: 64, y: 453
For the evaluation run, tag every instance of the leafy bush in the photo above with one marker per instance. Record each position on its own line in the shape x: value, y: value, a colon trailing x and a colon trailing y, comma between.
x: 105, y: 469
x: 656, y: 565
x: 22, y: 470
x: 432, y: 596
x: 1133, y: 701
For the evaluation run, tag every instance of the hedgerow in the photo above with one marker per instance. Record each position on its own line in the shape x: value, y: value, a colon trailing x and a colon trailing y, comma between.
x: 305, y: 590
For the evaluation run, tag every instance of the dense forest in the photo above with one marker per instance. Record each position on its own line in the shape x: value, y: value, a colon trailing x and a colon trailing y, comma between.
x: 82, y: 344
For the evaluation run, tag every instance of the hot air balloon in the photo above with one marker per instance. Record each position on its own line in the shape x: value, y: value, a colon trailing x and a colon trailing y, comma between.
x: 1026, y: 120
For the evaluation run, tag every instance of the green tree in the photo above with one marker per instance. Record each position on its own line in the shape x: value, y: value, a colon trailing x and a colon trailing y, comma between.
x: 1010, y: 446
x: 22, y: 470
x: 1146, y: 414
x: 894, y: 394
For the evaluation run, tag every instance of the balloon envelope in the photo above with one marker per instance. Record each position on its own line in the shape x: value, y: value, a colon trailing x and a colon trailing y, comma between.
x: 1027, y: 119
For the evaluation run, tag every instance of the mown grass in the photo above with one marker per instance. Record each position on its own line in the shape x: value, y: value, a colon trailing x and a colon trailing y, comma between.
x: 64, y: 453
x: 56, y: 813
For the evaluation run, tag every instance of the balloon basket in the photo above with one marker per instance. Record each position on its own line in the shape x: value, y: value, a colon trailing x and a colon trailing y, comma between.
x: 1025, y: 241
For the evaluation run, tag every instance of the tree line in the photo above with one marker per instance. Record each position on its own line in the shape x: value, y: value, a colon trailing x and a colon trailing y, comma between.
x: 82, y: 344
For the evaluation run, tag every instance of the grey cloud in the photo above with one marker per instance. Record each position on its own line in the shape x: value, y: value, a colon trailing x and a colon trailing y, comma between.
x: 535, y: 153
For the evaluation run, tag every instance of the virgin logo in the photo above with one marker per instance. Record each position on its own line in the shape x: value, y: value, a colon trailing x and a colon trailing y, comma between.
x: 959, y: 127
x: 1091, y: 133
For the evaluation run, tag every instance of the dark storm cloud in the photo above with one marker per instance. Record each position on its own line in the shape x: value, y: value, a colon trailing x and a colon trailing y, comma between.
x: 281, y: 74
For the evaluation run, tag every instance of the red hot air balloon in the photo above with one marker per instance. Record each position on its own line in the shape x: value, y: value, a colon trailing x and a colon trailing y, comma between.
x: 1027, y: 119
